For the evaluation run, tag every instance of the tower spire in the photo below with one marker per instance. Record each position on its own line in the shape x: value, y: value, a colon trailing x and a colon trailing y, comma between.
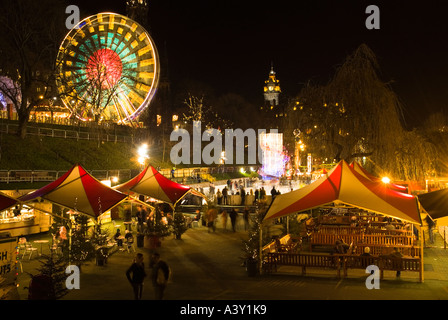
x: 272, y: 88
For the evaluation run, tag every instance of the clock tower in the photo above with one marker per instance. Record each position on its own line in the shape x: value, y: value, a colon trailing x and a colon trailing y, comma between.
x: 272, y: 90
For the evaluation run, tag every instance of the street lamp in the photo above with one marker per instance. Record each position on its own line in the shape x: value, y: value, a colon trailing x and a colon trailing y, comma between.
x: 385, y: 180
x: 142, y: 153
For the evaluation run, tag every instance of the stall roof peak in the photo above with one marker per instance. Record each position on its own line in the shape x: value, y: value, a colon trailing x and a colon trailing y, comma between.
x: 343, y: 184
x: 79, y: 191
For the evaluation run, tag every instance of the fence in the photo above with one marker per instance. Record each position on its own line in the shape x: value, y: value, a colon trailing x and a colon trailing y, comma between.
x: 10, y: 176
x: 181, y: 175
x: 10, y: 128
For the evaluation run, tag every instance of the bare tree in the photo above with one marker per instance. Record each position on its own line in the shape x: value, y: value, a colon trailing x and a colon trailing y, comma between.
x: 358, y: 115
x: 30, y: 33
x: 197, y: 110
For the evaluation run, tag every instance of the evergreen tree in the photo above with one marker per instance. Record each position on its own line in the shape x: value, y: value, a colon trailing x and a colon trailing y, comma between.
x: 54, y: 267
x: 81, y: 250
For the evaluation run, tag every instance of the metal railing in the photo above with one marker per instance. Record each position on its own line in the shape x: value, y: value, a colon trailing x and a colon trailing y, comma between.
x: 181, y: 175
x: 11, y: 128
x: 31, y: 176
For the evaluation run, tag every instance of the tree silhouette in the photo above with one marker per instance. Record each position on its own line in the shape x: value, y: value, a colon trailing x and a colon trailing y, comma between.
x: 31, y: 32
x: 358, y: 115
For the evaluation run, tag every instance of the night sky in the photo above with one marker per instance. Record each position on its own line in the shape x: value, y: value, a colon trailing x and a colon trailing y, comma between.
x: 230, y: 44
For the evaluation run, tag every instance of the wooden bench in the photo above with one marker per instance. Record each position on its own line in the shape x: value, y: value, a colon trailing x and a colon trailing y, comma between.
x: 383, y: 263
x: 363, y: 230
x: 340, y: 262
x: 400, y: 264
x: 318, y: 238
x: 381, y: 250
x: 304, y: 260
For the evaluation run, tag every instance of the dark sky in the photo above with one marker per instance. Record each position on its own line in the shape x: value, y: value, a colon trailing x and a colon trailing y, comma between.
x: 230, y: 44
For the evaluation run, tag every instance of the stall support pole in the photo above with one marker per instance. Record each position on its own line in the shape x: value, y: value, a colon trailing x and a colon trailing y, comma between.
x: 421, y: 255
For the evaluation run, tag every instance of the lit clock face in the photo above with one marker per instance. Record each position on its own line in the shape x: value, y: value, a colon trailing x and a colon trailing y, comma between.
x: 271, y: 88
x: 108, y: 69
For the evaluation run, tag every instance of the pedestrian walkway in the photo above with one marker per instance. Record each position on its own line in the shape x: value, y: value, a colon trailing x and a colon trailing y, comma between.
x: 208, y: 266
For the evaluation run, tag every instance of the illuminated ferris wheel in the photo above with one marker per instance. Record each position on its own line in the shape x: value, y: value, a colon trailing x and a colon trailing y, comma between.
x: 108, y: 69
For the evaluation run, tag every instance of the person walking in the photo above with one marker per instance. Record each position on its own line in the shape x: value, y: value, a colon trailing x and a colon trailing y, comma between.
x: 137, y: 270
x: 243, y: 196
x: 211, y: 217
x: 141, y: 218
x: 160, y: 275
x: 219, y: 197
x: 262, y: 193
x: 273, y: 192
x: 224, y: 219
x: 233, y: 215
x: 224, y: 195
x: 246, y: 218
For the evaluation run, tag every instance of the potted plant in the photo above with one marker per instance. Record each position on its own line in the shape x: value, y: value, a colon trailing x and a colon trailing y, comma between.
x: 179, y: 225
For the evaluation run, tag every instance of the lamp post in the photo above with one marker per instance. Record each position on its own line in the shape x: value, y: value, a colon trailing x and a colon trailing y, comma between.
x: 385, y: 180
x: 142, y: 153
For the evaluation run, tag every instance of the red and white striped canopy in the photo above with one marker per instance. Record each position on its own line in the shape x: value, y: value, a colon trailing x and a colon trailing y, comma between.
x: 358, y: 168
x: 6, y: 202
x: 153, y: 184
x: 343, y: 185
x: 79, y: 191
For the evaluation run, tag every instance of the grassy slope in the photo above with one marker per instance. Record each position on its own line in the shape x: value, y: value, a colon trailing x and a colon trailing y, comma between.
x: 44, y: 153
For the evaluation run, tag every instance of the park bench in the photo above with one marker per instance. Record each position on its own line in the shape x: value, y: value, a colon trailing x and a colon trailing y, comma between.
x: 328, y: 239
x: 382, y: 249
x: 339, y: 262
x: 382, y: 262
x: 304, y: 260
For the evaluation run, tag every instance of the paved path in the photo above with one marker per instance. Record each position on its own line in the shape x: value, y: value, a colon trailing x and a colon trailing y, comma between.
x: 206, y: 266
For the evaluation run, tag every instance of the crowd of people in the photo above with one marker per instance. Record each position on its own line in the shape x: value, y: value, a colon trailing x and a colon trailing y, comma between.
x: 214, y: 214
x: 250, y: 197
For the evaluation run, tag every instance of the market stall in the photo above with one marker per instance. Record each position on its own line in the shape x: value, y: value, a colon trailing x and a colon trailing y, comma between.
x: 79, y: 191
x: 153, y: 184
x: 19, y: 219
x: 342, y: 188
